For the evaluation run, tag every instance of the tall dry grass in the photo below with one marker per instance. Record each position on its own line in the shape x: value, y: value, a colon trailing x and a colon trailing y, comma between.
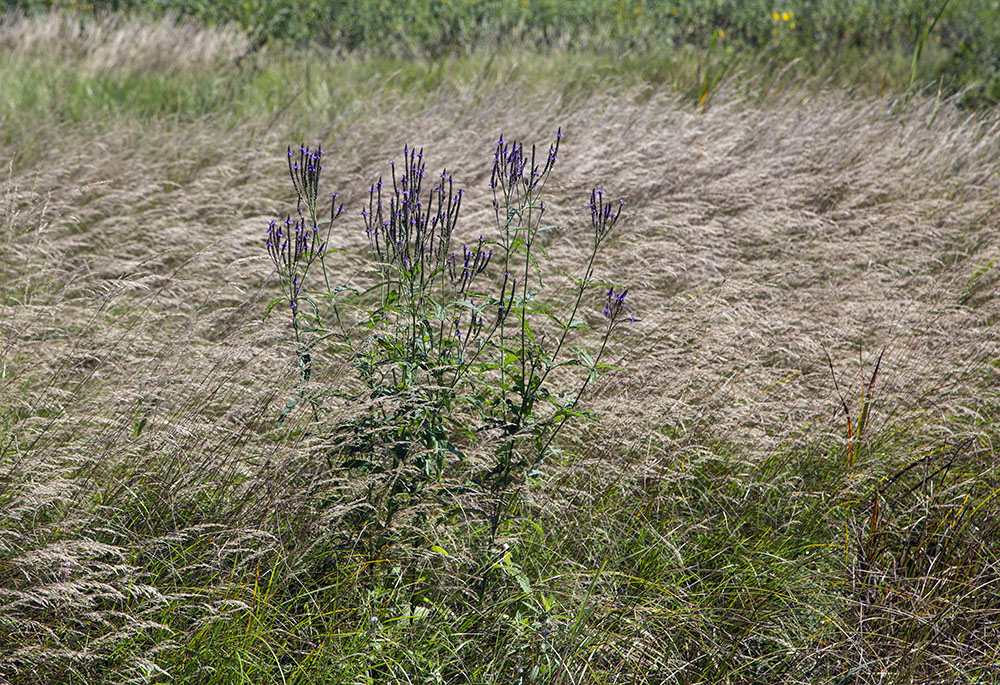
x: 706, y: 527
x: 94, y: 44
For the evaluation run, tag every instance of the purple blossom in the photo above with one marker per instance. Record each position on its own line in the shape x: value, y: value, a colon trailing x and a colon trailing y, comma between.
x: 614, y: 309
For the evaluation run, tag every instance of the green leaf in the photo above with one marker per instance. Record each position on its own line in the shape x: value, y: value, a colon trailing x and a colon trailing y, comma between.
x: 552, y: 317
x: 534, y: 262
x: 271, y: 305
x: 514, y: 571
x: 510, y: 358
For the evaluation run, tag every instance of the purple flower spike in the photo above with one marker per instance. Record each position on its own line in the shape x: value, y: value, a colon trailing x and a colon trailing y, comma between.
x: 614, y: 309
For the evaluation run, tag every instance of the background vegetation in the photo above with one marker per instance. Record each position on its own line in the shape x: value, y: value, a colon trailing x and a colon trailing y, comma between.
x: 790, y: 476
x: 961, y: 52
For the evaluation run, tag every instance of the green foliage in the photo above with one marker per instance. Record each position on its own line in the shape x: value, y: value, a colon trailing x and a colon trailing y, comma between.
x: 964, y: 36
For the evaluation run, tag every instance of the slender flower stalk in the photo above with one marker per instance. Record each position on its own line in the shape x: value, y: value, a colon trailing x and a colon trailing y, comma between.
x: 305, y: 171
x: 295, y: 244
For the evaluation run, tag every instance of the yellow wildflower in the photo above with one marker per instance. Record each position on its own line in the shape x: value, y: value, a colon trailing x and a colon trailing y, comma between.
x: 785, y: 16
x: 721, y: 33
x: 776, y: 16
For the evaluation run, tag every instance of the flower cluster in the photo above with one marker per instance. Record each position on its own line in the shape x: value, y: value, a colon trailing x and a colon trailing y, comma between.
x: 405, y: 233
x: 294, y: 244
x: 506, y: 301
x: 476, y: 325
x: 614, y: 310
x: 462, y: 270
x: 603, y: 215
x: 289, y: 244
x: 515, y: 176
x: 787, y: 17
x: 305, y: 174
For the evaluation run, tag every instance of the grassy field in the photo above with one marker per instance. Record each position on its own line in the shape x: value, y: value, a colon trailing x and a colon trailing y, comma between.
x: 785, y: 473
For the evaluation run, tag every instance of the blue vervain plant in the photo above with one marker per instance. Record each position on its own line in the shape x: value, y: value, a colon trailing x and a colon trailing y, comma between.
x: 452, y: 344
x: 294, y: 245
